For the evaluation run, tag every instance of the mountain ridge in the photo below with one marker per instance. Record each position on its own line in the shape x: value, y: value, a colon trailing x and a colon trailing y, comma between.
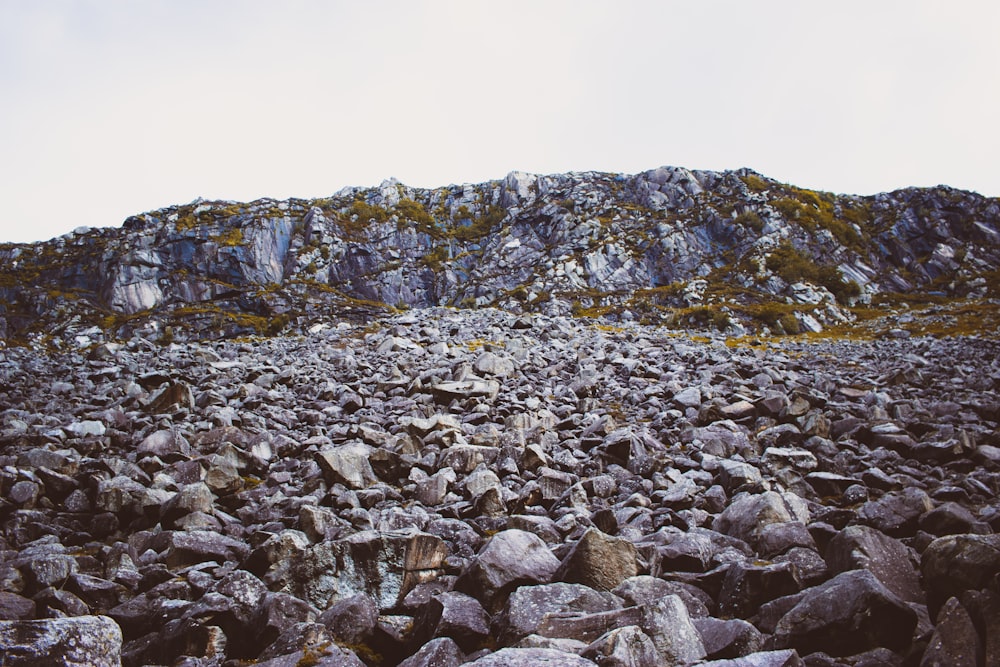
x: 732, y: 250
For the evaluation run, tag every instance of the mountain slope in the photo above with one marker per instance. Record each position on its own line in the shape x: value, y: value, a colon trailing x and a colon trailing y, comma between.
x: 690, y: 248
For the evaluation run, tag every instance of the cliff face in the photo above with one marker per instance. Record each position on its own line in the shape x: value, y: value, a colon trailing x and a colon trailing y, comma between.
x: 729, y: 249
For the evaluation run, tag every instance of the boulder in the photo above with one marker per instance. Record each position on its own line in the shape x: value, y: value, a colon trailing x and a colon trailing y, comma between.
x: 628, y: 646
x: 957, y: 563
x: 848, y: 614
x: 84, y: 641
x: 892, y: 562
x: 527, y: 607
x: 955, y: 642
x: 599, y: 561
x: 530, y: 657
x: 510, y: 559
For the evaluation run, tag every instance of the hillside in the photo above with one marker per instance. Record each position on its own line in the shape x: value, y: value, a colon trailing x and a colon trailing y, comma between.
x: 733, y: 251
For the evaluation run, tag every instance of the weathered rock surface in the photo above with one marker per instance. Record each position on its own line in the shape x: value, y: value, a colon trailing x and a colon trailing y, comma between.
x: 319, y: 499
x: 695, y: 248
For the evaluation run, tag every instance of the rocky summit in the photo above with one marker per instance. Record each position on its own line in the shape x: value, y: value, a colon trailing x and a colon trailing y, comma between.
x: 677, y: 418
x: 732, y: 251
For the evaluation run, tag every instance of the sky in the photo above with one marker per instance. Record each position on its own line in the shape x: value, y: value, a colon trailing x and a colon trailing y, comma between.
x: 114, y: 107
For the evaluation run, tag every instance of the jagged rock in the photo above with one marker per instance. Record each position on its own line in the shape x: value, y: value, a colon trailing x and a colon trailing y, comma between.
x: 167, y: 444
x: 732, y: 638
x: 848, y: 614
x: 351, y: 620
x: 87, y: 641
x: 198, y: 546
x: 897, y: 513
x: 14, y: 607
x: 748, y: 515
x: 528, y: 606
x: 955, y: 642
x: 599, y: 561
x: 328, y: 655
x: 530, y: 657
x: 785, y: 658
x: 957, y: 563
x: 748, y: 585
x: 621, y: 647
x: 454, y: 615
x: 510, y: 559
x: 440, y: 652
x: 348, y: 465
x: 892, y: 563
x: 382, y: 565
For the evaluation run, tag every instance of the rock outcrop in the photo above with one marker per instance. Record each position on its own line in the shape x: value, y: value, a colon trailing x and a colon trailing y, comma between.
x: 729, y: 250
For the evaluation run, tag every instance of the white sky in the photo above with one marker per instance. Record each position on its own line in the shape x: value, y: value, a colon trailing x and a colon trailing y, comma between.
x: 114, y: 107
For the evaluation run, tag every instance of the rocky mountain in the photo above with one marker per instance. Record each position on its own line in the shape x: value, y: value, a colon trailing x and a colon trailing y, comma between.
x: 431, y: 428
x: 733, y: 251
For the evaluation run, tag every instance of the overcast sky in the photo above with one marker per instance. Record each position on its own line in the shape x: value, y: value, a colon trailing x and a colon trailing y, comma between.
x: 114, y: 107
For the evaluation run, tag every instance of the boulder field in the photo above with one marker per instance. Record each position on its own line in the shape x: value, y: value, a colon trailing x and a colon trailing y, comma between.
x: 444, y: 487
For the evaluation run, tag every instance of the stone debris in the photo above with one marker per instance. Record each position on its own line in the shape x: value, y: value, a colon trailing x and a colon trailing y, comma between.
x: 573, y: 495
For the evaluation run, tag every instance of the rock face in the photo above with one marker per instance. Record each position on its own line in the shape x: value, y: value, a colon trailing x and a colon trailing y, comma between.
x: 94, y: 641
x: 476, y: 486
x: 694, y: 248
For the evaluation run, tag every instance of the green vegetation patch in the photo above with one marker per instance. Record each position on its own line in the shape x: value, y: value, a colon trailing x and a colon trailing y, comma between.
x: 792, y: 266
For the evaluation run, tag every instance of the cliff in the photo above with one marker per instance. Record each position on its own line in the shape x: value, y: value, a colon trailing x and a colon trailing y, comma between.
x: 730, y: 250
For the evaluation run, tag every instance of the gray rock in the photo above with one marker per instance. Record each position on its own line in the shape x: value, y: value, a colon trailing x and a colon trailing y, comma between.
x: 957, y: 563
x: 168, y: 445
x: 955, y: 642
x: 87, y: 641
x: 850, y: 613
x: 530, y: 657
x: 528, y: 606
x: 456, y: 615
x: 732, y: 638
x: 896, y: 513
x: 351, y: 620
x: 599, y: 561
x: 623, y: 647
x: 199, y: 546
x: 440, y: 652
x: 347, y: 465
x: 510, y: 559
x: 749, y: 514
x: 892, y: 562
x: 784, y: 658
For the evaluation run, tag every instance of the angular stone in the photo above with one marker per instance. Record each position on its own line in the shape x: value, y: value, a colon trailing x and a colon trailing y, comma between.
x: 892, y: 562
x: 454, y: 615
x: 446, y: 392
x: 347, y: 465
x: 440, y: 652
x: 897, y: 513
x: 199, y: 546
x: 530, y: 657
x: 527, y: 607
x: 599, y: 561
x: 625, y: 646
x: 851, y: 613
x: 351, y: 620
x: 510, y: 559
x: 955, y: 642
x: 83, y: 641
x: 957, y: 563
x: 167, y: 444
x: 728, y: 638
x: 748, y: 514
